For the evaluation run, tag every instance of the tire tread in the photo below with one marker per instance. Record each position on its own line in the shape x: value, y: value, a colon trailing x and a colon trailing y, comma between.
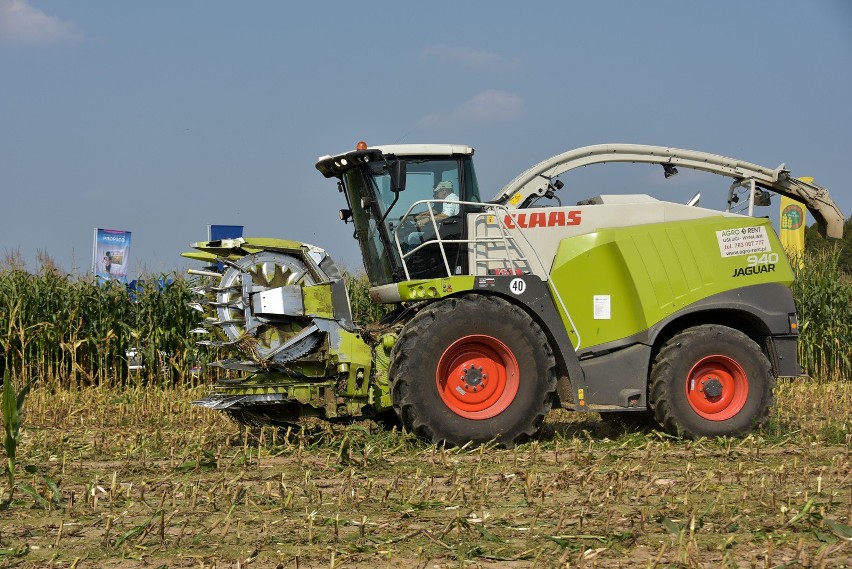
x: 401, y: 371
x: 664, y: 369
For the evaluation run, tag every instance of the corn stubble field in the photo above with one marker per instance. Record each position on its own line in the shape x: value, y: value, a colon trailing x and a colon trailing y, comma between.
x: 137, y: 477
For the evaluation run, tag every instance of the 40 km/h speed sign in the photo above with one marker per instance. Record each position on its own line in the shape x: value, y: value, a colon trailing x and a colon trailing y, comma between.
x: 518, y: 286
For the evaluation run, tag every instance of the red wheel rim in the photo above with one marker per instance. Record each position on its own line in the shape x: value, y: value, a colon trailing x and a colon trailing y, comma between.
x: 477, y: 377
x: 717, y: 388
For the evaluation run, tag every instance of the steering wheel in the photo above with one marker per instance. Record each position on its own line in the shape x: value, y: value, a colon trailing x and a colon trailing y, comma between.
x: 405, y: 226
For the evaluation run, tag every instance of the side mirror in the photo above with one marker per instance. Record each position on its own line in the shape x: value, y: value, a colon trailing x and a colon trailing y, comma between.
x: 397, y: 171
x: 762, y: 198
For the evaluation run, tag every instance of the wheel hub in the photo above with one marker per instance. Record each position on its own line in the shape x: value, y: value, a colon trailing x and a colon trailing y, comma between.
x: 712, y: 387
x: 473, y: 377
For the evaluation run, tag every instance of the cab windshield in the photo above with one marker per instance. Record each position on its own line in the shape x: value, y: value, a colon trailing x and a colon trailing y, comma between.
x: 373, y: 182
x: 423, y: 176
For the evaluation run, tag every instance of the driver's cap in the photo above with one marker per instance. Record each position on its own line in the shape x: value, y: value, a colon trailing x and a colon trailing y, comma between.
x: 445, y: 185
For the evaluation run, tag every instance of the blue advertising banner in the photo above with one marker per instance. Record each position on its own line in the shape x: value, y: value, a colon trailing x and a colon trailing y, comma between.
x: 111, y: 253
x: 217, y: 232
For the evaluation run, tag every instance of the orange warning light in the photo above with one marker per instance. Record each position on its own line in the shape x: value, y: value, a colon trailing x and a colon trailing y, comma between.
x: 361, y: 145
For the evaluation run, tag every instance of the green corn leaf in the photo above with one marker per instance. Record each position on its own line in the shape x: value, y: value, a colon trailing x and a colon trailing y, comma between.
x: 187, y: 466
x: 839, y: 529
x: 22, y: 394
x: 11, y: 422
x: 802, y: 513
x: 673, y: 527
x: 56, y: 494
x: 137, y: 530
x: 132, y: 533
x: 20, y: 552
x: 486, y: 535
x: 31, y: 492
x: 564, y: 543
x: 54, y: 490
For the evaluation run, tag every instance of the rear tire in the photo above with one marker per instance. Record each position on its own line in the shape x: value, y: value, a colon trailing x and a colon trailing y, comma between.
x: 712, y: 381
x: 472, y: 369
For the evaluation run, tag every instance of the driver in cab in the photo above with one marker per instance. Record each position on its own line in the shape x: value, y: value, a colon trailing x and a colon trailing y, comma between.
x: 443, y: 191
x: 450, y: 206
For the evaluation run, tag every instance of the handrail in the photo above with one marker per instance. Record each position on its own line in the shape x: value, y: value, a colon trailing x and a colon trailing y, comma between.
x: 489, y: 210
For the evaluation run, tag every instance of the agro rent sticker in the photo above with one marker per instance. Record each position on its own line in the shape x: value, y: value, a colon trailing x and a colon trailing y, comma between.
x: 743, y: 241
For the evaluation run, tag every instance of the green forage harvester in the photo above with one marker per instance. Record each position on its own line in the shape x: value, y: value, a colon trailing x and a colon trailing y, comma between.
x: 509, y: 305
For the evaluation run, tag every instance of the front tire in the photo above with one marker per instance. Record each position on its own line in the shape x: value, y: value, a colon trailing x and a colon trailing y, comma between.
x: 710, y: 380
x: 472, y: 369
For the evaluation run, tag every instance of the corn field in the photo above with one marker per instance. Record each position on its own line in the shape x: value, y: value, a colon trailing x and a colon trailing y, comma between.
x: 823, y: 295
x: 364, y: 310
x: 75, y: 331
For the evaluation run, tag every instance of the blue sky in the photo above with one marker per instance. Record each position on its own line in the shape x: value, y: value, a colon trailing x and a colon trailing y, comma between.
x: 162, y: 117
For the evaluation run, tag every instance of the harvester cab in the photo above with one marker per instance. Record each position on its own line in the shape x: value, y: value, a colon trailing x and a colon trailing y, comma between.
x: 621, y: 304
x: 391, y: 196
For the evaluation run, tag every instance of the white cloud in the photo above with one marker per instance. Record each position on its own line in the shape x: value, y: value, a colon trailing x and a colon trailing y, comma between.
x: 430, y: 120
x: 486, y: 107
x: 468, y: 57
x: 21, y: 23
x: 491, y: 106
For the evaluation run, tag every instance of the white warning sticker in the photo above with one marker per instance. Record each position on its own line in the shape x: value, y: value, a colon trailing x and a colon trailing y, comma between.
x: 743, y: 241
x: 602, y: 307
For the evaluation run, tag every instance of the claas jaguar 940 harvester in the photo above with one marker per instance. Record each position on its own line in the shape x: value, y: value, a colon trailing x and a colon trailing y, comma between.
x: 507, y: 306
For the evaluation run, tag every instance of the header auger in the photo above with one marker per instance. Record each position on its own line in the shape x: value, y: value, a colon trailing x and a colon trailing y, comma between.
x: 506, y: 308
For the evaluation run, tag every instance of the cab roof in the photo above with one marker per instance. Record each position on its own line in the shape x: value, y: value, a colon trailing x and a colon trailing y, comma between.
x: 412, y: 150
x: 334, y: 165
